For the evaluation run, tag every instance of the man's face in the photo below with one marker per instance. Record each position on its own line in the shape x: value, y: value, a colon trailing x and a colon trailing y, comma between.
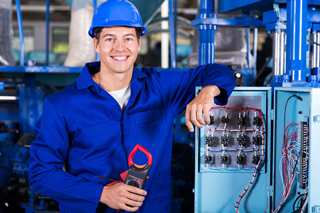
x: 118, y: 48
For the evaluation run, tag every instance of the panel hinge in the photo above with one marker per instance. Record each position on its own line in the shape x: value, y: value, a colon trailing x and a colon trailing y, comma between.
x: 316, y: 119
x: 272, y: 114
x: 315, y: 209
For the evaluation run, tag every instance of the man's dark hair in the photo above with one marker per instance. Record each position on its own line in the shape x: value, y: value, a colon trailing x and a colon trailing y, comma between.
x: 97, y: 32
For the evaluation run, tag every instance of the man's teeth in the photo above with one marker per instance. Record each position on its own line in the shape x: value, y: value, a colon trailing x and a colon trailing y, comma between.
x: 120, y: 58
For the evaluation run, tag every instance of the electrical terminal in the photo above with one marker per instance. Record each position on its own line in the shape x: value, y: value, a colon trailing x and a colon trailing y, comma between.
x: 209, y: 140
x: 241, y: 120
x: 241, y: 140
x: 241, y: 159
x: 225, y: 139
x: 257, y: 121
x: 209, y: 159
x: 225, y: 159
x: 255, y: 159
x: 256, y: 140
x: 225, y: 119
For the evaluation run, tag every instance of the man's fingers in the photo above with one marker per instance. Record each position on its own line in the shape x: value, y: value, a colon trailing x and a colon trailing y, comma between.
x: 199, y: 114
x: 187, y: 117
x: 194, y: 116
x: 135, y: 197
x: 135, y: 190
x: 128, y: 208
x: 206, y: 109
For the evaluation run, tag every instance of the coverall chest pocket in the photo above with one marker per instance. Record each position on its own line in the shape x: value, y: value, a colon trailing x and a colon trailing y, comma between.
x: 148, y: 126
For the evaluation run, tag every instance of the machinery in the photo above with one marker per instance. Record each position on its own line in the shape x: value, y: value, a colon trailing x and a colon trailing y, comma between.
x: 259, y: 153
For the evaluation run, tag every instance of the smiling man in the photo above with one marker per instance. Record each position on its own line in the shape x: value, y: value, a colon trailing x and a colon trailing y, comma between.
x: 92, y: 125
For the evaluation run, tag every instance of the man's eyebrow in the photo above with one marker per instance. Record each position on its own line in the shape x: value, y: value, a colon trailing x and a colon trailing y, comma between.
x: 130, y: 34
x: 112, y: 35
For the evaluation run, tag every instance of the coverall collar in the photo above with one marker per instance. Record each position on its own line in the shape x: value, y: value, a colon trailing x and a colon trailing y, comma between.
x: 85, y: 80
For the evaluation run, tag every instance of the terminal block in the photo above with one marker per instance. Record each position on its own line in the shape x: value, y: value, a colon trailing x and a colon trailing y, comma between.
x: 225, y: 140
x: 255, y: 159
x: 241, y: 159
x: 209, y: 140
x: 242, y: 140
x: 211, y: 119
x: 209, y: 159
x: 225, y: 119
x: 241, y: 121
x: 257, y: 121
x: 225, y: 159
x: 256, y: 140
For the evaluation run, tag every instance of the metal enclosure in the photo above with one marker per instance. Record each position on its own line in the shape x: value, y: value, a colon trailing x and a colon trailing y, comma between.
x: 306, y: 110
x: 217, y: 187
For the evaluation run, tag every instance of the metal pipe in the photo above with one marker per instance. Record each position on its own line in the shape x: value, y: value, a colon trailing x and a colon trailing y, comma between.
x: 206, y: 33
x: 255, y: 48
x: 8, y: 98
x: 282, y: 53
x: 47, y: 31
x: 172, y: 36
x: 248, y: 48
x: 21, y: 36
x: 164, y: 36
x: 317, y: 64
x: 296, y: 42
x: 276, y: 54
x: 94, y: 9
x: 313, y: 52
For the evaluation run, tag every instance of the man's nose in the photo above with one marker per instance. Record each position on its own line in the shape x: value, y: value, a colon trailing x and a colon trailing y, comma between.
x: 119, y: 45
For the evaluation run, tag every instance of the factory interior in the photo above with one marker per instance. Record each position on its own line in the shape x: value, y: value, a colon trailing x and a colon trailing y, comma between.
x: 259, y: 152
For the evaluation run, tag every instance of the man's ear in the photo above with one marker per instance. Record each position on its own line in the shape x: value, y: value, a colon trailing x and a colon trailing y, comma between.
x: 96, y: 46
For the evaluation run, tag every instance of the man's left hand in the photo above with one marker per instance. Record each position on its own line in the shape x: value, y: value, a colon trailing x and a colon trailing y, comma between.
x: 201, y: 104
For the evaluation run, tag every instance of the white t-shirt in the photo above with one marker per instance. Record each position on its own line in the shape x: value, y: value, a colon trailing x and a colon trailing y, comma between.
x: 122, y: 96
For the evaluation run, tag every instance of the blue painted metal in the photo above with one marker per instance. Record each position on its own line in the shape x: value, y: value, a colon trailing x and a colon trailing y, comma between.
x: 218, y: 191
x: 31, y: 102
x: 39, y: 69
x: 255, y: 50
x: 236, y: 22
x: 248, y: 48
x: 297, y: 111
x: 206, y: 32
x: 296, y: 40
x: 173, y: 59
x: 47, y: 31
x: 21, y: 36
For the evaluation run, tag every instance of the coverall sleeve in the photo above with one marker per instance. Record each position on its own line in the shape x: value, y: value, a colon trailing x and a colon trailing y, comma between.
x: 47, y: 158
x: 179, y: 87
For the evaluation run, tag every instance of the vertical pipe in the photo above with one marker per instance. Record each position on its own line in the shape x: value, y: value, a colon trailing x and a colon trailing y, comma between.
x: 282, y: 52
x: 317, y: 64
x: 297, y: 37
x: 206, y: 33
x: 175, y: 15
x: 164, y: 36
x: 94, y: 9
x: 172, y: 36
x: 47, y: 31
x: 313, y: 52
x: 248, y: 48
x: 276, y: 53
x: 255, y: 48
x: 21, y: 36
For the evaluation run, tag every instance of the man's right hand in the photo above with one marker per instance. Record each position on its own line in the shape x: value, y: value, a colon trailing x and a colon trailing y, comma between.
x: 121, y: 196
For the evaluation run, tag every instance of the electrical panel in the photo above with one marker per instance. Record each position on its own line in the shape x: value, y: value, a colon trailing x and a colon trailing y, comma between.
x: 232, y: 155
x: 296, y: 150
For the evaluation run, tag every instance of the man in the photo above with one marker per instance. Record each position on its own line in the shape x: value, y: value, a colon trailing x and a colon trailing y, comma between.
x: 84, y: 130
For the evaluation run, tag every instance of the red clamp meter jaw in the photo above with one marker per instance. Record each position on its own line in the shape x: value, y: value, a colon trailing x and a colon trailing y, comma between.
x: 138, y: 174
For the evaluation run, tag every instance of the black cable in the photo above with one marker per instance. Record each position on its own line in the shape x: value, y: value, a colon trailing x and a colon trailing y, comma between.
x: 294, y: 204
x: 261, y: 70
x: 285, y: 110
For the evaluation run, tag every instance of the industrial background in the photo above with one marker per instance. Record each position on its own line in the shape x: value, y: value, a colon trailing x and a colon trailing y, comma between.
x: 260, y: 153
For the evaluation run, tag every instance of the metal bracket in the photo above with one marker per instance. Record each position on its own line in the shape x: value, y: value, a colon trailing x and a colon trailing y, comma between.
x: 316, y: 119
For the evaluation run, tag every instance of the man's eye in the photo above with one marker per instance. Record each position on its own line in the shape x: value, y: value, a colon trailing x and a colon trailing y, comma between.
x: 109, y: 39
x: 128, y: 39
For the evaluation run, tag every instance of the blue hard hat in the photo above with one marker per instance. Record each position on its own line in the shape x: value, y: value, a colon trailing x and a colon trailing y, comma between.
x: 116, y: 13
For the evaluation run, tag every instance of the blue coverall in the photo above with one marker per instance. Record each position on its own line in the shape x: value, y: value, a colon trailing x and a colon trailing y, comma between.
x: 84, y: 130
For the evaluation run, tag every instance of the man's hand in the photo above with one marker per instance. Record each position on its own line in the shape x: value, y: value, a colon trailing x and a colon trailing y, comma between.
x: 201, y: 104
x: 119, y: 195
